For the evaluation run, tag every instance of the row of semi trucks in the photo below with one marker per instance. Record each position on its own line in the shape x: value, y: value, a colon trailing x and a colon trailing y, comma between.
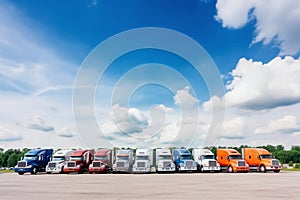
x: 144, y: 161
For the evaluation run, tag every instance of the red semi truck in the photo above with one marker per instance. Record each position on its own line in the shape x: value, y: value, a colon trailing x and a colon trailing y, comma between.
x: 102, y: 162
x: 79, y: 161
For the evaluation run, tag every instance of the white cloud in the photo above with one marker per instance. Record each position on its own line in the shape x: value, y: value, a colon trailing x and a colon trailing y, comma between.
x: 9, y: 135
x: 233, y: 129
x: 276, y: 20
x: 184, y: 98
x: 258, y: 86
x: 287, y: 124
x: 37, y: 123
x: 66, y: 132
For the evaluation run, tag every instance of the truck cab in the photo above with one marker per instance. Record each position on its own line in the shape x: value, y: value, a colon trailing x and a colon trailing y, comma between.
x: 79, y: 161
x: 123, y: 161
x: 261, y: 160
x: 34, y: 161
x: 143, y: 161
x: 102, y: 162
x: 56, y: 165
x: 205, y: 160
x: 183, y: 160
x: 164, y: 162
x: 231, y: 161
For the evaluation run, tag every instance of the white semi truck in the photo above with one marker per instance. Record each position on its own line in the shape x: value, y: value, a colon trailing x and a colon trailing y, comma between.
x: 205, y: 160
x: 164, y: 162
x: 143, y: 161
x: 123, y: 161
x: 58, y: 161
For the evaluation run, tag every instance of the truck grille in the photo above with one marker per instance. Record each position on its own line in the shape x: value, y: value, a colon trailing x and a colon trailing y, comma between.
x: 96, y: 164
x: 212, y: 163
x: 189, y: 163
x: 71, y: 164
x: 275, y: 162
x: 22, y: 164
x: 140, y: 164
x: 241, y: 163
x: 52, y: 165
x: 167, y: 164
x: 120, y: 164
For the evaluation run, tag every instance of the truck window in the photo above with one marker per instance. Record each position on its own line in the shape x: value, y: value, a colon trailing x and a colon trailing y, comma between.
x: 101, y: 158
x: 165, y: 157
x: 266, y: 156
x: 122, y: 158
x: 76, y: 158
x: 30, y: 157
x: 207, y: 157
x: 234, y: 157
x: 58, y: 158
x: 185, y: 157
x: 141, y: 157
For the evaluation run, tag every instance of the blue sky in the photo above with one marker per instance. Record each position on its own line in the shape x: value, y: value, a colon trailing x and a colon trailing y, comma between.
x: 255, y: 47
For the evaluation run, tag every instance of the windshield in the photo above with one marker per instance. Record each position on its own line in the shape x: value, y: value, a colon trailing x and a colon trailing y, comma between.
x: 207, y: 157
x: 165, y: 157
x: 76, y: 158
x: 185, y: 157
x: 100, y: 158
x: 58, y: 158
x: 266, y: 156
x: 141, y: 157
x: 122, y: 157
x: 234, y: 157
x: 30, y: 157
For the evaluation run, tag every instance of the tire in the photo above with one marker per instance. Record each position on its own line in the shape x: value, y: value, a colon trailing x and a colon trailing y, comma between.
x: 20, y: 173
x: 34, y: 170
x: 262, y: 169
x: 230, y: 169
x: 276, y: 171
x: 48, y: 172
x: 90, y: 172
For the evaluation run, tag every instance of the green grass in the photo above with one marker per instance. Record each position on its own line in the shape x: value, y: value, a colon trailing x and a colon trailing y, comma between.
x: 6, y: 171
x: 294, y: 169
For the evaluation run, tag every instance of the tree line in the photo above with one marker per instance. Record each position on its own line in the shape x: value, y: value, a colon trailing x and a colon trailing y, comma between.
x: 10, y: 157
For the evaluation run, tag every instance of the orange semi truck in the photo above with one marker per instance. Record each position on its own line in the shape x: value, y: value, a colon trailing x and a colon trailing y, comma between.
x: 261, y: 160
x: 102, y: 161
x: 231, y: 160
x: 79, y: 161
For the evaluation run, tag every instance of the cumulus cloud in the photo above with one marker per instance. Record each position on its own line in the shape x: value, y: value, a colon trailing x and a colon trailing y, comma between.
x: 9, y: 135
x: 276, y: 20
x: 287, y: 124
x: 259, y: 86
x: 184, y: 98
x: 233, y: 129
x: 66, y: 132
x: 37, y: 123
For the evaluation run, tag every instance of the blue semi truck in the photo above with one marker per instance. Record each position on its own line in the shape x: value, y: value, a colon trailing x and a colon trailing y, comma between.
x: 34, y: 161
x: 183, y: 160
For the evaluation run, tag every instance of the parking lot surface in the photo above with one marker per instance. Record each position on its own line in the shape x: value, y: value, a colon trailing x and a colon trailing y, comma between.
x: 284, y: 185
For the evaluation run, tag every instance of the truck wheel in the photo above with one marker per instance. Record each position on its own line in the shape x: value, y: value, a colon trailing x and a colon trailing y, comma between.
x: 90, y: 172
x: 20, y: 173
x: 262, y: 168
x: 230, y: 170
x: 276, y: 171
x: 34, y: 170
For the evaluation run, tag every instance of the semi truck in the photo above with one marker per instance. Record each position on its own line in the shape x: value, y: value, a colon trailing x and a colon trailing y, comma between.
x: 123, y: 161
x: 59, y: 159
x: 261, y: 160
x: 143, y: 161
x: 34, y: 161
x: 164, y: 162
x: 231, y: 160
x: 183, y: 160
x: 79, y: 161
x: 205, y: 160
x: 102, y: 162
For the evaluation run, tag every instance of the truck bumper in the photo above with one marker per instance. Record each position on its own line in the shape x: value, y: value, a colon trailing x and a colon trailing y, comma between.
x: 23, y: 170
x: 53, y: 171
x: 167, y: 169
x: 241, y: 169
x: 121, y: 169
x: 70, y: 170
x: 141, y: 170
x: 273, y: 168
x: 210, y: 169
x: 188, y: 169
x: 97, y: 169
